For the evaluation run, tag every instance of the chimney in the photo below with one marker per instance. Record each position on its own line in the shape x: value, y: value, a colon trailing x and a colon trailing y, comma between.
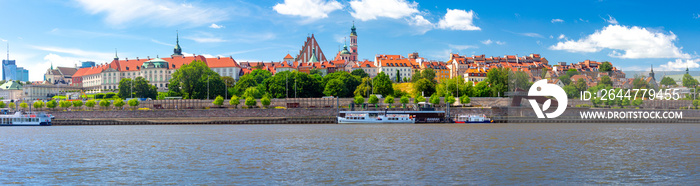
x: 137, y: 58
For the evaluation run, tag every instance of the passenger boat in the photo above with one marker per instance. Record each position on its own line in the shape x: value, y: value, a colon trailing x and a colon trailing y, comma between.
x: 473, y: 119
x: 391, y: 116
x: 26, y: 119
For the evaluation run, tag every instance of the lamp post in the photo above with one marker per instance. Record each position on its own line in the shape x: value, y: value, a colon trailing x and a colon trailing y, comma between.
x: 132, y: 89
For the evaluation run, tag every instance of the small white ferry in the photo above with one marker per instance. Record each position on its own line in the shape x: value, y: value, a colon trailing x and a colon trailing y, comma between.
x: 375, y: 117
x: 26, y: 119
x: 473, y: 119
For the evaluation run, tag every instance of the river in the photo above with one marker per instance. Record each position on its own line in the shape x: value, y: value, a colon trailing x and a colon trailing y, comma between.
x: 502, y: 154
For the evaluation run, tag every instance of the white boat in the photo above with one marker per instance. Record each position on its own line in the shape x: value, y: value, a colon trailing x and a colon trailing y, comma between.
x: 25, y: 119
x: 473, y: 119
x: 375, y: 117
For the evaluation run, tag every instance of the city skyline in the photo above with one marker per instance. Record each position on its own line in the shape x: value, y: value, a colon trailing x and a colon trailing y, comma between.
x: 625, y: 33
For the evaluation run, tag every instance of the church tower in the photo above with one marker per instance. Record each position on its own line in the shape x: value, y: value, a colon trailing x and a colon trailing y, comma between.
x: 651, y: 74
x: 353, y: 43
x: 177, y: 51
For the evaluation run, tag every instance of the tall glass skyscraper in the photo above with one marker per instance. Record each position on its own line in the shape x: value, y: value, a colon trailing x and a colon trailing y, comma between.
x: 22, y: 74
x: 9, y: 70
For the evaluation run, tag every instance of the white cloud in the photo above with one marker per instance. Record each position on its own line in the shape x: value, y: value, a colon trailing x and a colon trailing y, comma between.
x: 3, y: 40
x: 206, y: 39
x: 462, y: 47
x: 421, y: 25
x: 153, y: 12
x: 696, y: 16
x: 562, y: 36
x: 489, y: 41
x: 532, y: 35
x: 365, y: 10
x: 456, y: 19
x: 162, y: 43
x: 557, y: 21
x: 626, y: 42
x: 582, y: 20
x: 77, y: 52
x: 680, y: 64
x: 312, y: 9
x: 611, y: 20
x: 216, y: 26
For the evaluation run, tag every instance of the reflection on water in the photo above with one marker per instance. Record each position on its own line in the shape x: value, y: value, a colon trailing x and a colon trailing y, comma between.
x: 352, y: 154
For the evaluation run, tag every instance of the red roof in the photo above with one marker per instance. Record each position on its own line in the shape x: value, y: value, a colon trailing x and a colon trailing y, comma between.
x: 182, y: 60
x: 288, y: 57
x: 81, y: 72
x: 221, y: 62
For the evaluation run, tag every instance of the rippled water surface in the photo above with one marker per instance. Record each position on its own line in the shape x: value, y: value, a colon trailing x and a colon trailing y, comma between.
x: 352, y: 154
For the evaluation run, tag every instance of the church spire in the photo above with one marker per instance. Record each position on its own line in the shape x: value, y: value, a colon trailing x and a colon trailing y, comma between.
x: 116, y: 57
x: 177, y: 51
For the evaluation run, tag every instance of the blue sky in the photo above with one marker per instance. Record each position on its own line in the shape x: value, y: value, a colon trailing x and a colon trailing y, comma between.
x: 631, y: 34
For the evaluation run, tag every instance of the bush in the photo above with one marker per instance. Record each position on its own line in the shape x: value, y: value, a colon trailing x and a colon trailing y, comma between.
x: 105, y: 103
x: 133, y: 102
x: 218, y: 101
x: 265, y: 101
x: 373, y: 99
x: 77, y: 103
x: 119, y: 103
x: 389, y: 100
x: 250, y: 102
x: 110, y: 95
x: 144, y: 109
x: 99, y: 96
x: 235, y: 100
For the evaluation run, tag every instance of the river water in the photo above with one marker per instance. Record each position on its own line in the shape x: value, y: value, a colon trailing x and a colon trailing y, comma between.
x: 502, y: 154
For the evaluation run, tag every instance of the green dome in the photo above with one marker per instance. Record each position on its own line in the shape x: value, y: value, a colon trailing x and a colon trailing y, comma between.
x: 345, y: 50
x: 155, y: 63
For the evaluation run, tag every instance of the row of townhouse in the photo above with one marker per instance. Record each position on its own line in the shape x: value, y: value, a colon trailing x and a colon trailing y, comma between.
x: 158, y: 71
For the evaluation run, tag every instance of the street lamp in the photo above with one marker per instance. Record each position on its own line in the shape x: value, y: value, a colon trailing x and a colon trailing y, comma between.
x: 208, y: 87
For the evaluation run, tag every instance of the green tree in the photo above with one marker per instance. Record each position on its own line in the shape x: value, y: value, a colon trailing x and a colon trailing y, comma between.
x: 105, y: 103
x: 418, y: 99
x: 144, y: 90
x: 315, y: 71
x: 77, y: 104
x: 435, y: 99
x: 689, y: 81
x: 565, y: 79
x: 696, y: 103
x: 119, y: 103
x: 359, y: 100
x: 253, y: 92
x: 255, y: 78
x: 497, y: 79
x: 424, y: 87
x: 228, y: 81
x: 38, y: 104
x: 235, y: 100
x: 335, y: 87
x: 637, y: 102
x: 363, y: 90
x: 389, y: 100
x: 218, y: 101
x: 91, y: 103
x: 428, y: 74
x: 398, y: 76
x: 571, y: 91
x: 349, y: 82
x: 196, y: 81
x: 125, y: 88
x: 605, y: 67
x: 581, y: 85
x: 12, y: 105
x: 521, y: 80
x: 359, y: 73
x: 482, y: 89
x: 250, y: 101
x: 668, y: 81
x: 265, y: 101
x: 571, y: 72
x: 2, y: 104
x: 382, y: 85
x: 465, y: 100
x: 404, y: 100
x: 65, y: 104
x: 450, y: 99
x: 23, y: 105
x: 133, y: 103
x: 50, y: 104
x: 373, y: 99
x: 605, y: 80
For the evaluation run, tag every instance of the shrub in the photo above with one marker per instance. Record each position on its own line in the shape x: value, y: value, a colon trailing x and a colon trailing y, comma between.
x: 110, y: 95
x: 235, y: 100
x: 218, y: 101
x: 99, y: 96
x: 265, y: 101
x: 119, y: 103
x: 250, y: 102
x: 133, y: 102
x: 105, y: 103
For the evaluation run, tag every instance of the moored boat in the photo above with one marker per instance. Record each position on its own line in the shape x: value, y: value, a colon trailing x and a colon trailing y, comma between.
x: 473, y: 119
x: 26, y: 119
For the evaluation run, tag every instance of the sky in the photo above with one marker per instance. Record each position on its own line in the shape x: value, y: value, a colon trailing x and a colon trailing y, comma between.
x: 633, y: 35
